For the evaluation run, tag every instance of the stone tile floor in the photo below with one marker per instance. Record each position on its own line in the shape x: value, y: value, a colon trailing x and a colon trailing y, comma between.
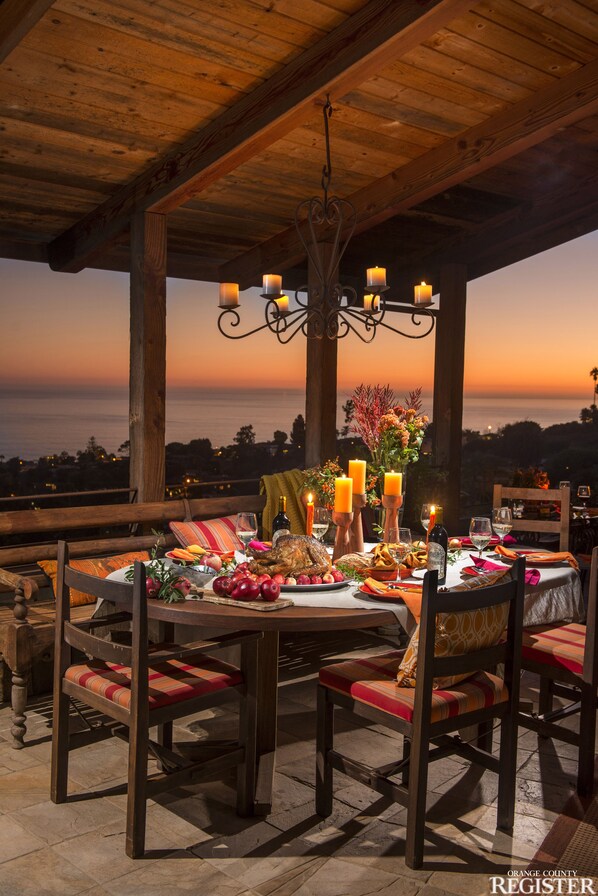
x: 196, y: 843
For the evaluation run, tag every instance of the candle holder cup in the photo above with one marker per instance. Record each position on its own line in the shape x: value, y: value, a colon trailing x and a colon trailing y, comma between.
x: 392, y: 505
x: 356, y: 534
x: 342, y: 540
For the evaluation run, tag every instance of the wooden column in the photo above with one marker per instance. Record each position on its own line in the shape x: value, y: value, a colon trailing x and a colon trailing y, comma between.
x: 147, y: 376
x: 449, y: 358
x: 320, y: 388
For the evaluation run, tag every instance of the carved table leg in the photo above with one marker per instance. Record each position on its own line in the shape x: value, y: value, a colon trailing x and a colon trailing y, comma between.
x: 19, y: 704
x: 18, y: 661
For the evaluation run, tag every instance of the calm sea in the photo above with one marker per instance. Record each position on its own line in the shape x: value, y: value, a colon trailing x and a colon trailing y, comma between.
x: 36, y: 422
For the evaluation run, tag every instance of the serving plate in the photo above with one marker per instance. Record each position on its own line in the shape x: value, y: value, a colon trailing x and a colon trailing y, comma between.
x: 325, y: 586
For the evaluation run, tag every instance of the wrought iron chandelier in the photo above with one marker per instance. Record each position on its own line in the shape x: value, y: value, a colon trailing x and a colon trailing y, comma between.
x: 326, y: 309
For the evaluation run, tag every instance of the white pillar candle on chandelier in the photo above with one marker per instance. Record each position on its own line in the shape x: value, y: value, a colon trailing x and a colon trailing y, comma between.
x: 228, y: 295
x: 376, y: 278
x: 371, y: 303
x: 423, y: 293
x: 272, y: 285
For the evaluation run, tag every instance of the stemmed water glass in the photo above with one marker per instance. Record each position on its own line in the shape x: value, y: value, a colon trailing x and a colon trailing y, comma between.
x: 502, y: 522
x: 480, y: 532
x: 400, y: 543
x: 246, y: 528
x: 321, y: 523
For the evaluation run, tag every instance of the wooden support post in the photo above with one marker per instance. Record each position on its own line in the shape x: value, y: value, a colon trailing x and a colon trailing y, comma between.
x: 320, y: 387
x: 147, y: 376
x: 449, y: 358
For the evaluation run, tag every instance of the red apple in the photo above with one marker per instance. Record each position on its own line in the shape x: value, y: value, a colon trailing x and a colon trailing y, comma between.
x: 212, y: 560
x: 183, y: 586
x: 278, y: 578
x: 316, y: 580
x: 246, y: 589
x: 338, y: 576
x: 303, y: 580
x: 263, y: 578
x: 270, y: 590
x: 328, y: 578
x: 290, y: 580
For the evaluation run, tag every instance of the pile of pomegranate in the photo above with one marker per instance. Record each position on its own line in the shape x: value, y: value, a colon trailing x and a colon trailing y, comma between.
x: 242, y: 584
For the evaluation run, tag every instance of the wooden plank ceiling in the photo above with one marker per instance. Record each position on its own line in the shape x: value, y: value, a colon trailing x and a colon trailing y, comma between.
x: 462, y: 131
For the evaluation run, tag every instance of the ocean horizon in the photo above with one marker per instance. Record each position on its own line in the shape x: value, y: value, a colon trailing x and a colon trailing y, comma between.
x: 38, y: 421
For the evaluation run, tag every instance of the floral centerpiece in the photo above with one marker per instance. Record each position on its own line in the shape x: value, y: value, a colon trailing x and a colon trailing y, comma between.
x: 392, y: 433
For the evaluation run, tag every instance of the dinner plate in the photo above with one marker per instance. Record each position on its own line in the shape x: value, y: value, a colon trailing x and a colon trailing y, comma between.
x: 389, y: 596
x: 325, y: 586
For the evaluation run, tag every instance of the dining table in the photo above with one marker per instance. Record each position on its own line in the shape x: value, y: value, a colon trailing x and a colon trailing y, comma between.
x: 556, y: 597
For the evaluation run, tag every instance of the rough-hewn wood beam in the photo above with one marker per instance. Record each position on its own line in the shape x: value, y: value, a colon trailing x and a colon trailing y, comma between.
x: 512, y: 131
x: 17, y: 18
x: 376, y: 35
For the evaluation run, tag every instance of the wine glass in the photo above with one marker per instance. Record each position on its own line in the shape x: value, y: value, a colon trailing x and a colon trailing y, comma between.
x: 425, y: 516
x: 502, y: 522
x: 246, y: 528
x: 400, y: 543
x: 480, y: 532
x: 321, y: 523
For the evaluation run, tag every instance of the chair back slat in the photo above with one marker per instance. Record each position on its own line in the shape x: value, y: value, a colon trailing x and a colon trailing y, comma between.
x: 507, y: 650
x: 561, y: 495
x: 99, y: 648
x: 120, y: 593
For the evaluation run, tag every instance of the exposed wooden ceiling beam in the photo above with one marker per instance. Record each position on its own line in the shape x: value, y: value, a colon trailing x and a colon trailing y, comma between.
x: 17, y: 18
x: 373, y: 37
x: 483, y: 146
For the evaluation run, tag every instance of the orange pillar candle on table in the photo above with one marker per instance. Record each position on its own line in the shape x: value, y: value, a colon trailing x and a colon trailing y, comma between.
x: 393, y: 483
x: 309, y: 517
x: 357, y: 470
x: 343, y: 494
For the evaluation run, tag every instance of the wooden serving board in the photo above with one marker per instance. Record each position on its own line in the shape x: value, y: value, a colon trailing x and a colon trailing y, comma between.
x: 262, y: 606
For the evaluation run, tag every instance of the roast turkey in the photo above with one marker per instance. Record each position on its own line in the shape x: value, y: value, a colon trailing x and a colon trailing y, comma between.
x: 293, y: 555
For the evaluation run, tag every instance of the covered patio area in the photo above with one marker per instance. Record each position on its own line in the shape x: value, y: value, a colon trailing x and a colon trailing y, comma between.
x: 199, y: 844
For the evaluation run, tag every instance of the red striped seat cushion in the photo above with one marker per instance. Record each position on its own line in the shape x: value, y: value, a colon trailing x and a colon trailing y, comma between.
x: 169, y: 682
x: 372, y: 680
x: 216, y: 535
x: 556, y: 645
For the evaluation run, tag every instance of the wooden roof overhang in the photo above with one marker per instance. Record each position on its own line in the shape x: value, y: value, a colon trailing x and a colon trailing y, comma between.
x: 463, y: 131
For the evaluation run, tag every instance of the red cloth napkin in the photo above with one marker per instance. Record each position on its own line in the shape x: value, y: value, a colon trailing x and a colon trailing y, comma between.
x: 260, y: 545
x: 532, y: 576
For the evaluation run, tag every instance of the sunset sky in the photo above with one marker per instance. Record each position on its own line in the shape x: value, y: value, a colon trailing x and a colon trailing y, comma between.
x: 531, y: 329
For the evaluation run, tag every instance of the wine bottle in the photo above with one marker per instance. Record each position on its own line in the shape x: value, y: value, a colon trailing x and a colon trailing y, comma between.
x: 438, y: 547
x: 280, y: 524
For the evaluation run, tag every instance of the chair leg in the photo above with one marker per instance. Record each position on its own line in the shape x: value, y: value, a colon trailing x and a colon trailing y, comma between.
x: 505, y: 813
x: 60, y: 748
x: 546, y: 696
x: 136, y: 790
x: 18, y: 701
x: 587, y: 740
x: 484, y: 740
x: 324, y: 743
x: 406, y: 756
x: 164, y: 738
x: 416, y: 805
x: 246, y: 771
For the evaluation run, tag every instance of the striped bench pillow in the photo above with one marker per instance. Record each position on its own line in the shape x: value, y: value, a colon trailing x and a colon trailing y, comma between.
x: 215, y: 535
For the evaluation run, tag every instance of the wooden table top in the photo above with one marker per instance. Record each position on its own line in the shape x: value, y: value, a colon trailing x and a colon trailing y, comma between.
x: 298, y: 619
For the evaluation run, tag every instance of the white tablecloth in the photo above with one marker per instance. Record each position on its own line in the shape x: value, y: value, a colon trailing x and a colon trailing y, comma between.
x: 556, y: 598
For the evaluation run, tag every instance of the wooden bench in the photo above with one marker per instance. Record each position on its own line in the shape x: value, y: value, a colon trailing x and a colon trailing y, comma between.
x: 26, y: 600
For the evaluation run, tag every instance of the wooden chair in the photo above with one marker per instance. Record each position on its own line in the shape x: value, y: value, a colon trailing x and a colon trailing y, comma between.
x: 562, y: 496
x: 142, y: 686
x: 566, y: 659
x: 426, y: 716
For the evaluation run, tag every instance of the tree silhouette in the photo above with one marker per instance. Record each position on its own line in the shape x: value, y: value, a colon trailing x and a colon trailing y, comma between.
x: 594, y: 375
x: 298, y: 431
x: 245, y: 436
